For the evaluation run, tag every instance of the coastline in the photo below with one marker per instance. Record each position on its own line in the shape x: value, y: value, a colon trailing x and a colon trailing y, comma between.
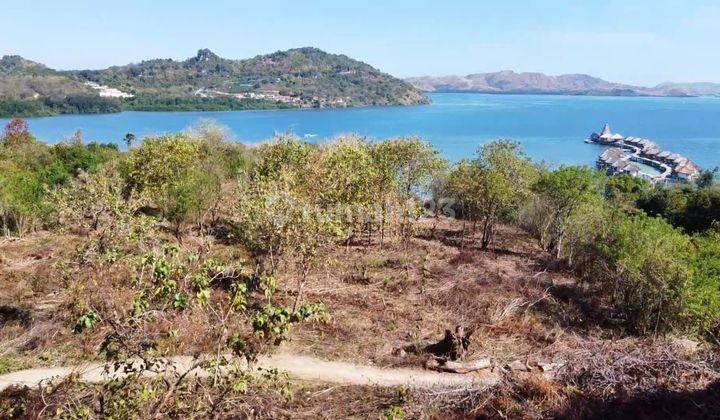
x: 565, y: 93
x: 550, y: 127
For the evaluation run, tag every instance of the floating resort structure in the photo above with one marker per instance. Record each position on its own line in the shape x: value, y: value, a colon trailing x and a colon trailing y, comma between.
x: 630, y: 155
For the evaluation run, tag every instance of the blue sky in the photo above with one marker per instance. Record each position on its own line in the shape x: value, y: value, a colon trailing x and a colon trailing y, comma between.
x: 631, y: 41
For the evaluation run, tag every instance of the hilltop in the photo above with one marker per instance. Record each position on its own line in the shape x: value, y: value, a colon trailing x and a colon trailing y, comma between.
x: 303, y: 77
x: 567, y: 84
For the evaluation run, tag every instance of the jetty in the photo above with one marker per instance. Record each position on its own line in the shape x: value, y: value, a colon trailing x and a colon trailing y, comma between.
x: 629, y: 155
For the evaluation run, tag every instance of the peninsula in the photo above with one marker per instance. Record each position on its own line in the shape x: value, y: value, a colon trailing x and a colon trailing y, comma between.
x: 296, y: 78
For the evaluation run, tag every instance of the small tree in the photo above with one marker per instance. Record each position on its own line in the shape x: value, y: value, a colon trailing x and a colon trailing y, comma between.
x: 158, y: 162
x: 561, y: 193
x: 274, y: 220
x: 343, y: 177
x: 283, y: 153
x: 22, y: 199
x: 464, y: 185
x: 506, y: 176
x: 186, y: 199
x: 129, y: 140
x: 16, y: 132
x: 405, y: 168
x: 706, y: 178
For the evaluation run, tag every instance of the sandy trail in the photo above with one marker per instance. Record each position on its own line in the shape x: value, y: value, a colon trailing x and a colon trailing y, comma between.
x: 302, y: 368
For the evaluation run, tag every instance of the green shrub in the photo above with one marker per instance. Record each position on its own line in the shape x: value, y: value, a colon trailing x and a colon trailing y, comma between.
x: 491, y: 188
x: 649, y: 275
x: 703, y: 301
x: 22, y: 199
x: 159, y: 162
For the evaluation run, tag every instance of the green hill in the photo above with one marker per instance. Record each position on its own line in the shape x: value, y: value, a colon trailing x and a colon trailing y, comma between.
x: 28, y: 88
x: 304, y: 77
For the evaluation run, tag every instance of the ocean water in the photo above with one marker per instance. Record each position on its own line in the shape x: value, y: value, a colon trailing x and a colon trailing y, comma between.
x: 550, y: 128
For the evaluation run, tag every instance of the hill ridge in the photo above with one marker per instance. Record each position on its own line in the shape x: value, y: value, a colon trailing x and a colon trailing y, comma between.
x: 295, y: 78
x: 509, y: 81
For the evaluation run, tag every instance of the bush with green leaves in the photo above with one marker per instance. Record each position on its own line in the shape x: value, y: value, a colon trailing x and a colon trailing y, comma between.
x: 95, y: 205
x: 647, y: 268
x: 184, y: 175
x: 158, y: 162
x: 658, y: 278
x: 32, y: 169
x: 284, y: 154
x: 491, y: 188
x: 561, y: 198
x: 22, y: 199
x: 276, y: 222
x: 703, y: 302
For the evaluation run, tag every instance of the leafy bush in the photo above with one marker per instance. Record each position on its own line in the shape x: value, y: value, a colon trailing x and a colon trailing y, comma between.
x: 491, y: 188
x: 22, y: 199
x: 703, y: 301
x: 649, y: 275
x: 159, y: 162
x: 185, y: 175
x: 657, y: 277
x: 31, y: 169
x: 693, y: 209
x: 75, y: 157
x: 560, y: 195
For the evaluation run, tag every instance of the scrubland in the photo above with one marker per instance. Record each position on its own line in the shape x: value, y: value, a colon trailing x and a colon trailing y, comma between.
x: 589, y: 296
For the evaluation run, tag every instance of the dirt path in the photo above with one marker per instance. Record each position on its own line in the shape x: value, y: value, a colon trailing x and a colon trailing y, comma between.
x: 298, y: 367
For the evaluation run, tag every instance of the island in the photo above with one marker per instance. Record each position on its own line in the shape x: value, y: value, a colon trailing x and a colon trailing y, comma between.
x: 510, y: 82
x: 296, y: 78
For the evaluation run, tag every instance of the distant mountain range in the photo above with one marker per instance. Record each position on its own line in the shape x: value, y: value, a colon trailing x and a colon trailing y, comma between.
x: 566, y: 84
x: 303, y: 77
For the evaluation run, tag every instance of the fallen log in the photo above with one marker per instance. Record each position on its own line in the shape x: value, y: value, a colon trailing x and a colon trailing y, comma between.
x: 444, y: 365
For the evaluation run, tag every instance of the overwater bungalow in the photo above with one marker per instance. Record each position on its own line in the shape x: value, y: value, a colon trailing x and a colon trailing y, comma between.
x: 609, y: 157
x: 616, y: 161
x: 606, y: 136
x: 627, y: 167
x: 686, y: 171
x: 626, y: 155
x: 650, y: 152
x: 663, y: 156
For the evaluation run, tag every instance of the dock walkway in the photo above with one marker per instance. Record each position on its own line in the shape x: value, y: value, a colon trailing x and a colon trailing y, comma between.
x: 673, y: 167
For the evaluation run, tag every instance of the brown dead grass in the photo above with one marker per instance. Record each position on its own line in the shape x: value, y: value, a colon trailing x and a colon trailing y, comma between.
x: 382, y: 299
x: 520, y: 304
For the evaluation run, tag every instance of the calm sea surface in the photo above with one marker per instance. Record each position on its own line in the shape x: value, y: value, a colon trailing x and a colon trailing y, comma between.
x: 550, y: 128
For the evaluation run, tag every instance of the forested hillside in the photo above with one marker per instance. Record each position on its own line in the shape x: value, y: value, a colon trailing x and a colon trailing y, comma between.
x: 28, y: 88
x: 305, y: 77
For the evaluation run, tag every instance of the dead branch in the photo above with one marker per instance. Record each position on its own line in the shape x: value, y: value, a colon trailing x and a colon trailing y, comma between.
x: 458, y: 367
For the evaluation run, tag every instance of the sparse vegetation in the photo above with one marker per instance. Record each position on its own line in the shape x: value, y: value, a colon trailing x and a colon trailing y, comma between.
x: 188, y: 244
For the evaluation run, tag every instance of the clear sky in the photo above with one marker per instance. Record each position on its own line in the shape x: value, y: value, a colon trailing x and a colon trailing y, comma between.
x: 632, y: 41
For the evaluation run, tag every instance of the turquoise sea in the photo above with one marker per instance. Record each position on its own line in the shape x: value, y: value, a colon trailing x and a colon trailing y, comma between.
x: 550, y: 128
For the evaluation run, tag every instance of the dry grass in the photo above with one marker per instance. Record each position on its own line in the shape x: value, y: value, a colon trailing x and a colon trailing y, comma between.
x: 384, y: 299
x: 520, y: 304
